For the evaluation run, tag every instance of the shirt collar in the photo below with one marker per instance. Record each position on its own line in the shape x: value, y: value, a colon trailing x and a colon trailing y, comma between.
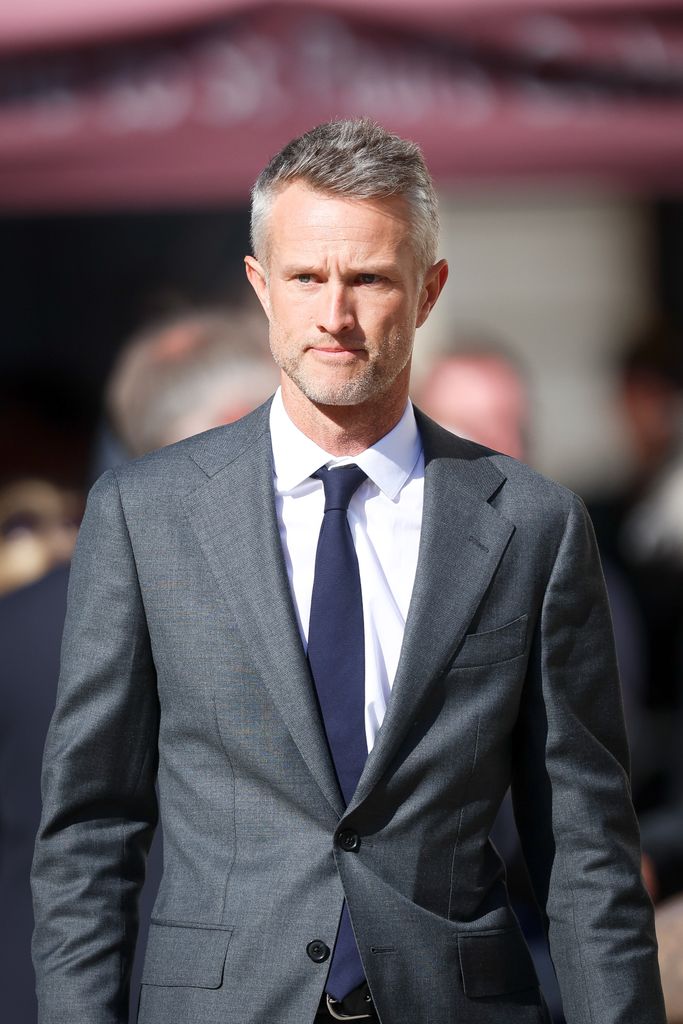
x: 388, y: 463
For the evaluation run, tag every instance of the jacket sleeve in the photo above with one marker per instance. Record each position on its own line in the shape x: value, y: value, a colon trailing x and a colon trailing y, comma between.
x: 99, y: 768
x: 572, y: 799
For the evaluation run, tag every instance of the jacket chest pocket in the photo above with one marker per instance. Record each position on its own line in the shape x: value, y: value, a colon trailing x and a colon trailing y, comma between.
x: 494, y: 645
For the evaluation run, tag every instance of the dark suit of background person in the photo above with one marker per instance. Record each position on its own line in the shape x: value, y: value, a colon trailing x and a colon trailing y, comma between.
x: 185, y: 636
x: 31, y: 624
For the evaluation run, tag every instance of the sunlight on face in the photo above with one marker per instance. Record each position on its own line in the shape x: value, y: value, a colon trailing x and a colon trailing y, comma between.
x: 342, y: 294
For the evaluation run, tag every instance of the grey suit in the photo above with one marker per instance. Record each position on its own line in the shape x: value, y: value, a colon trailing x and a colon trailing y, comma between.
x: 181, y: 638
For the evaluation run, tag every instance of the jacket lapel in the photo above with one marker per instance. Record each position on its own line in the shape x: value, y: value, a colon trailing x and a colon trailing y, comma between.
x: 233, y: 515
x: 461, y: 543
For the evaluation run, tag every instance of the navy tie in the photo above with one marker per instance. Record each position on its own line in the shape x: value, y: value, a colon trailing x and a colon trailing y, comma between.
x: 336, y: 654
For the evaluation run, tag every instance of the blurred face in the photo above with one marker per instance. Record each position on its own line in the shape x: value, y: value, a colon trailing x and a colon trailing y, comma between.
x: 343, y: 293
x: 480, y: 397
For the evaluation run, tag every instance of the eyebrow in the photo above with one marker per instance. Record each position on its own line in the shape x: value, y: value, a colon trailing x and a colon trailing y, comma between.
x: 371, y: 267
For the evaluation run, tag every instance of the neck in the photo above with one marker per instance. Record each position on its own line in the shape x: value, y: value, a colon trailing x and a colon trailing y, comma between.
x: 344, y: 429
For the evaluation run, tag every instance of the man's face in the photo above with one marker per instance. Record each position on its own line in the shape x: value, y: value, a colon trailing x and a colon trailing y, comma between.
x: 343, y: 293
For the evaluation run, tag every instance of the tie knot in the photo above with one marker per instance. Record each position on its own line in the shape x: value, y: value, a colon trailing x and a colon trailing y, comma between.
x: 340, y: 485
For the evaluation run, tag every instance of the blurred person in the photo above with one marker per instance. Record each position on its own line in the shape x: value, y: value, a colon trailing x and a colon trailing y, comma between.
x: 669, y: 922
x: 185, y: 373
x: 327, y: 792
x: 640, y: 528
x: 38, y: 528
x: 651, y: 388
x: 479, y: 391
x: 31, y: 623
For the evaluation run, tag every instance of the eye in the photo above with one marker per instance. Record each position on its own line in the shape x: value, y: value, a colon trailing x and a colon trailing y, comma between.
x: 368, y: 278
x: 304, y: 278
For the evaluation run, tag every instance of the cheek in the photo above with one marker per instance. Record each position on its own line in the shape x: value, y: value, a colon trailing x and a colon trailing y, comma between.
x: 381, y: 320
x: 285, y: 337
x: 280, y: 318
x: 399, y: 329
x: 291, y: 313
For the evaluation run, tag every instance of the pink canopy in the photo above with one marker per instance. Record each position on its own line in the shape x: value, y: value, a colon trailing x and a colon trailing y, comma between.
x: 129, y: 102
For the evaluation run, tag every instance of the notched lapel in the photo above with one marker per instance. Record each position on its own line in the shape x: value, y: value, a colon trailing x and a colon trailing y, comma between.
x: 462, y: 541
x: 233, y: 515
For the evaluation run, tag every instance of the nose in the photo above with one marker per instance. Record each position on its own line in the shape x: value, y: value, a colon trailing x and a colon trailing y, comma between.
x: 335, y: 312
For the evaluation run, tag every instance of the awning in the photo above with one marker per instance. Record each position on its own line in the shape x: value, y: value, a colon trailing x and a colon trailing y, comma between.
x: 167, y: 102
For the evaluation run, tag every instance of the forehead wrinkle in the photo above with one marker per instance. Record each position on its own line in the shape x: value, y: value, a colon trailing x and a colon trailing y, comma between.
x: 351, y: 257
x: 362, y: 255
x: 361, y: 236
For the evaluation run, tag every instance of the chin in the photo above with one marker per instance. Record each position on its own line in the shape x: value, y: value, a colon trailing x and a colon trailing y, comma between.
x: 353, y: 392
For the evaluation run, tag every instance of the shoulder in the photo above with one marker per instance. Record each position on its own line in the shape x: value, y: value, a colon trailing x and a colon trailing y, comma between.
x: 180, y: 467
x: 513, y: 488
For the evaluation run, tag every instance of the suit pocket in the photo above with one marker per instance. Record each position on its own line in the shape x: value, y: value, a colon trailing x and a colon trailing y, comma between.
x: 495, y: 963
x: 501, y: 644
x: 185, y: 955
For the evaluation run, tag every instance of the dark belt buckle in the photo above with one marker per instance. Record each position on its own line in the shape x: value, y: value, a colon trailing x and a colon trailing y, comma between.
x: 332, y: 1005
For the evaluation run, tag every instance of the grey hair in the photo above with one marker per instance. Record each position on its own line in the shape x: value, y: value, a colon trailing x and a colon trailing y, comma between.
x: 358, y: 159
x: 213, y: 361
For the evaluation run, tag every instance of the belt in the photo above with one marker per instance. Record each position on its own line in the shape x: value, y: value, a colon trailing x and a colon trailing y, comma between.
x: 357, y: 1005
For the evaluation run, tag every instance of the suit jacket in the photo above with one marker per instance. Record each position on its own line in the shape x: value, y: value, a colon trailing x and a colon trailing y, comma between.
x: 28, y: 684
x: 182, y: 654
x: 31, y: 624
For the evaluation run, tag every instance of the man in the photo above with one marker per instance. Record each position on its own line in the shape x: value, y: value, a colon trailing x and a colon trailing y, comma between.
x: 479, y: 391
x: 338, y: 632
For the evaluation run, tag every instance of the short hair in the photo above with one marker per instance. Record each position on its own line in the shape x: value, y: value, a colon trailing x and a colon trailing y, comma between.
x: 205, y: 359
x: 357, y: 159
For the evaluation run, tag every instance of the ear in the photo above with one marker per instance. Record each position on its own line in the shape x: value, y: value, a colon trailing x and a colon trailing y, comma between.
x: 258, y: 280
x: 435, y: 279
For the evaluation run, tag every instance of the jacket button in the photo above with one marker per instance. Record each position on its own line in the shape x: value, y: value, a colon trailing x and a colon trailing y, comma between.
x: 318, y: 951
x: 348, y: 840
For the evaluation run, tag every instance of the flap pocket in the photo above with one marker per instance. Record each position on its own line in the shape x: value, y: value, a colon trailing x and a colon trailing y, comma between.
x: 495, y: 963
x: 185, y: 955
x: 494, y: 645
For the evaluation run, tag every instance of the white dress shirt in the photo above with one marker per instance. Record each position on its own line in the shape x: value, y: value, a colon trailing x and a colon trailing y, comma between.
x: 385, y: 518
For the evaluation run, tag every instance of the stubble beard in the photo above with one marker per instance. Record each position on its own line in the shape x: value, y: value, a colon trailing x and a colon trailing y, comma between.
x: 369, y: 381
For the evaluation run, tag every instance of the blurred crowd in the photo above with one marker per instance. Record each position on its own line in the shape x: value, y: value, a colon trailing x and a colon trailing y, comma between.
x: 190, y: 372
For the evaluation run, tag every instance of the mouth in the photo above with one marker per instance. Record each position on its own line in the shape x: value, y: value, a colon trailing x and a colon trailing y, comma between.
x: 336, y: 351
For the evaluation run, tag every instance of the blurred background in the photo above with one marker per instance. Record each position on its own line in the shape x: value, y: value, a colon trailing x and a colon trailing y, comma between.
x: 130, y: 134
